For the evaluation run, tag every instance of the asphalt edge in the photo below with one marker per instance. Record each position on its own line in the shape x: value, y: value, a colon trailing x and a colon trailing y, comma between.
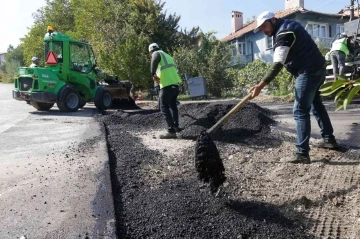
x: 105, y: 226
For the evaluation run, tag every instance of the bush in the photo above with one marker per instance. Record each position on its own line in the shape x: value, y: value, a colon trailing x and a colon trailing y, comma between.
x: 8, y: 71
x: 210, y: 60
x: 253, y: 73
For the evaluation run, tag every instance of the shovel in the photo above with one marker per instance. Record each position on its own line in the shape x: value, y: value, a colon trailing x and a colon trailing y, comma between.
x: 208, y: 163
x: 226, y: 118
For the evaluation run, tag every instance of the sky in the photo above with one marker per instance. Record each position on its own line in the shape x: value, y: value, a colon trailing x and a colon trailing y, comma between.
x: 210, y: 15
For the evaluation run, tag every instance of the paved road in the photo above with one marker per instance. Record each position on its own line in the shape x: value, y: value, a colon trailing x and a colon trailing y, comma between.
x: 54, y: 174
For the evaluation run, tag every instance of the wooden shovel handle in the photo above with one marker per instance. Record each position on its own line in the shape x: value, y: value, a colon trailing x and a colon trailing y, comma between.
x: 225, y: 119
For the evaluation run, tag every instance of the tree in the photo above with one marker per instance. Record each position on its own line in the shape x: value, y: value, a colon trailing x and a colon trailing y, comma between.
x: 15, y: 54
x: 118, y: 30
x: 121, y: 32
x: 210, y: 59
x: 56, y: 13
x: 14, y: 58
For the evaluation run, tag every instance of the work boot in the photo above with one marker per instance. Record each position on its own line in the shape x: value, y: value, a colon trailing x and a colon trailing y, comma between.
x: 325, y: 143
x: 297, y: 158
x: 168, y: 135
x: 178, y: 129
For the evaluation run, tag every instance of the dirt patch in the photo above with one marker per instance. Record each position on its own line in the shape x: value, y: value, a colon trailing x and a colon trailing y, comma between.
x: 157, y: 193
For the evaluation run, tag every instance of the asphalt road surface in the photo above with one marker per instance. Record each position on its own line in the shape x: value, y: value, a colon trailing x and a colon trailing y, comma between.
x: 54, y: 173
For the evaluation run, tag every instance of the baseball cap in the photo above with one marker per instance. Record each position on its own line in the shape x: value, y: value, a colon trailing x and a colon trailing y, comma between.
x: 262, y: 18
x: 34, y: 58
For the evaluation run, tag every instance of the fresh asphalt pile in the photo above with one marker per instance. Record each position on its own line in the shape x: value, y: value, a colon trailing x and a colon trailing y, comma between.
x: 160, y: 196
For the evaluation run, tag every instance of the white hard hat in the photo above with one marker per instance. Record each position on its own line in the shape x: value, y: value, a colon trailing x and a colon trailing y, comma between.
x: 262, y: 18
x: 34, y: 58
x: 153, y: 46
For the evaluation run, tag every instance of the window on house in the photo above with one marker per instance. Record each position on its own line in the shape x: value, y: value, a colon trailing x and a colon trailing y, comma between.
x: 269, y: 42
x: 340, y: 29
x: 233, y: 50
x: 242, y: 48
x: 318, y: 29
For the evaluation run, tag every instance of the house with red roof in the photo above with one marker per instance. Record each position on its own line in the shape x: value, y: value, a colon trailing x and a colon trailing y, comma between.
x: 248, y: 46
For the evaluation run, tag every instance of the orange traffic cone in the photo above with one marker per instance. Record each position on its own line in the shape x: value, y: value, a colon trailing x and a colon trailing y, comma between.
x: 139, y: 95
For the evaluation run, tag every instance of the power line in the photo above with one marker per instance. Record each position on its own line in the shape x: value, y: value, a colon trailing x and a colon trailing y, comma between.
x: 323, y: 4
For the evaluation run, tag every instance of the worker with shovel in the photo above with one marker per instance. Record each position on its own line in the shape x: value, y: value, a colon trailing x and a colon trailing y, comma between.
x: 295, y: 49
x: 164, y: 72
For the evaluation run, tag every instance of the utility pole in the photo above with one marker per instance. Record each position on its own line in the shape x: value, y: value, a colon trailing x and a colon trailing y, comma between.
x: 352, y: 10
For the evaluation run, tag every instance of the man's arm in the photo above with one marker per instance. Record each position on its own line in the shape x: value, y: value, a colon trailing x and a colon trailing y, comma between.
x: 155, y: 59
x: 284, y: 41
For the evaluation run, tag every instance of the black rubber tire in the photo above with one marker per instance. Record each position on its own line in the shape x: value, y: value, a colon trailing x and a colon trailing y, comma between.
x: 104, y: 99
x: 69, y: 101
x: 41, y: 106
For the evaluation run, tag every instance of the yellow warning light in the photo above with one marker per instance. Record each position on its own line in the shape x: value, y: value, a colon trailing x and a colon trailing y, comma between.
x: 50, y: 29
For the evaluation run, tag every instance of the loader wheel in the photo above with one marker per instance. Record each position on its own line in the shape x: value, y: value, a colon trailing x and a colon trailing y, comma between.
x: 42, y: 106
x: 69, y: 101
x: 103, y: 100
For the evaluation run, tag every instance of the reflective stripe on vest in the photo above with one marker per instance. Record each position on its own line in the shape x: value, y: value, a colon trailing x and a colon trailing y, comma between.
x: 167, y: 71
x: 166, y: 64
x: 340, y: 45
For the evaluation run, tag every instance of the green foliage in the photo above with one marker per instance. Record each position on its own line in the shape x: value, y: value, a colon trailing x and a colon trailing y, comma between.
x: 8, y: 74
x: 56, y: 13
x: 14, y: 58
x: 256, y: 70
x: 15, y: 54
x: 344, y: 89
x: 323, y: 48
x: 120, y: 32
x: 210, y: 59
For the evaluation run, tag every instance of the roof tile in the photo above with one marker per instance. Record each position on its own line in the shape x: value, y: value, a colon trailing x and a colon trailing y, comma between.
x: 279, y: 14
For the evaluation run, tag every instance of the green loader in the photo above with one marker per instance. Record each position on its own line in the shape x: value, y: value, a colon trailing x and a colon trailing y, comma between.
x: 70, y: 78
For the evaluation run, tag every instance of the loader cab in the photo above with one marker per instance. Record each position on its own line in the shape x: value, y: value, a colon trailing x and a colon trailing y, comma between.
x: 57, y: 48
x: 71, y: 56
x: 81, y: 57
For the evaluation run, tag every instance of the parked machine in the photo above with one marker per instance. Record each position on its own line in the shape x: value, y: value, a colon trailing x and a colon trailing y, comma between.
x: 70, y: 78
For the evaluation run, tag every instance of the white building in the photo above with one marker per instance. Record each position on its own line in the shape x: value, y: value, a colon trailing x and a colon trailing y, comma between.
x: 2, y: 57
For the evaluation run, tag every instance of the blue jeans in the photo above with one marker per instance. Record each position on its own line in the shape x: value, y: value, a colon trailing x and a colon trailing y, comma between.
x: 338, y: 59
x: 307, y: 97
x: 168, y: 98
